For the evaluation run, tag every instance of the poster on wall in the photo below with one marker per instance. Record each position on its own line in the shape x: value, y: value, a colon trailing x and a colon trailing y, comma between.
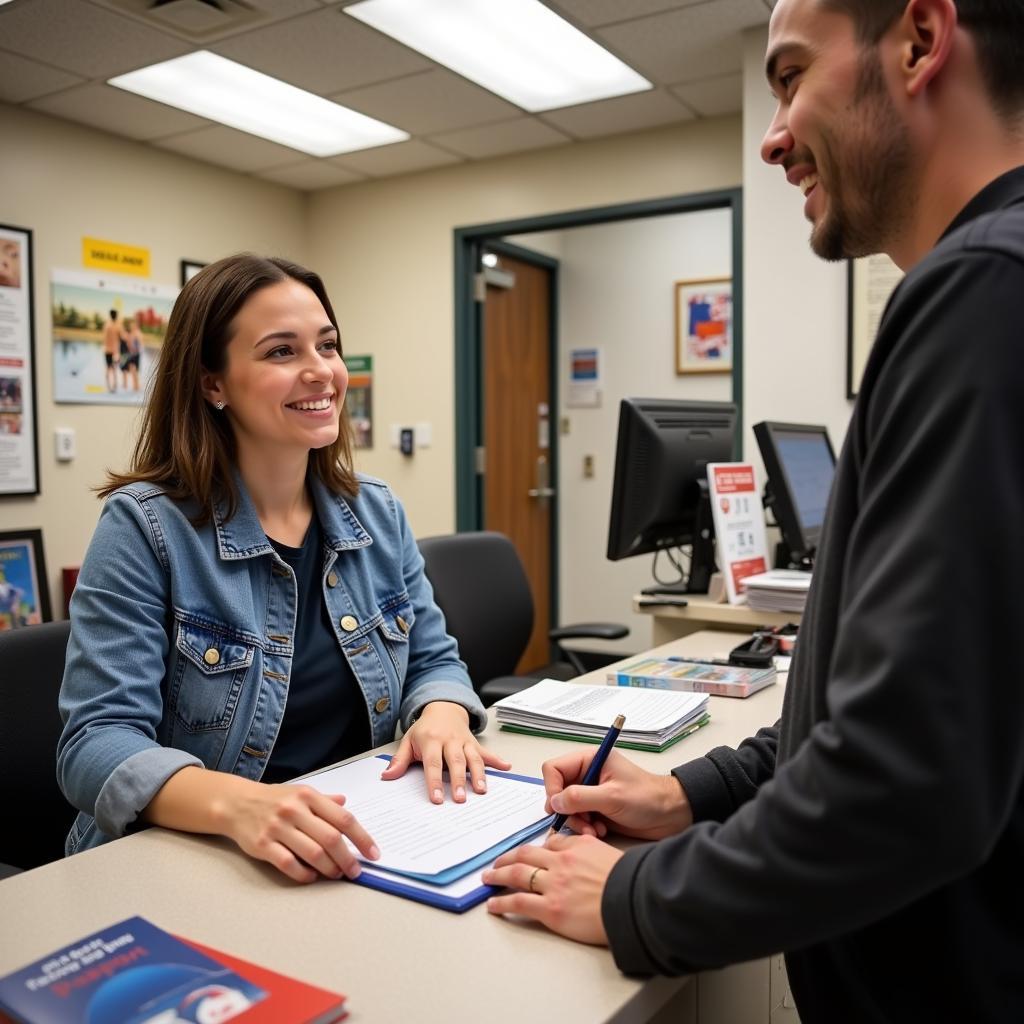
x: 359, y: 399
x: 24, y: 597
x: 19, y: 459
x: 107, y: 333
x: 870, y: 282
x: 704, y: 326
x: 584, y: 389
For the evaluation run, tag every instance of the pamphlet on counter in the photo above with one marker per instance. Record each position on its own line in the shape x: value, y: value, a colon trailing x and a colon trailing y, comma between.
x: 693, y: 677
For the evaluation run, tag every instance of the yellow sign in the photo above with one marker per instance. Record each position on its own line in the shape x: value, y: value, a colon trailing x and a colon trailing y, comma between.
x: 123, y: 259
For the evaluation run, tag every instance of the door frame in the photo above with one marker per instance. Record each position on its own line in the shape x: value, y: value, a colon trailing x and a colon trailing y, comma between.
x: 469, y: 244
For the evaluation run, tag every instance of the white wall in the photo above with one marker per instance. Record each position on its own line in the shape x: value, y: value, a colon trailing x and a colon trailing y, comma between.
x: 65, y: 181
x: 385, y: 251
x: 617, y: 293
x: 794, y: 316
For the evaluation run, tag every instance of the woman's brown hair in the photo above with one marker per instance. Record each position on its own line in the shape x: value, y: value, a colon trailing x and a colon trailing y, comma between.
x: 184, y: 444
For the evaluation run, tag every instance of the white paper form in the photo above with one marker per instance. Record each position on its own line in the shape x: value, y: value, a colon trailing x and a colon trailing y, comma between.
x: 576, y: 703
x: 415, y: 835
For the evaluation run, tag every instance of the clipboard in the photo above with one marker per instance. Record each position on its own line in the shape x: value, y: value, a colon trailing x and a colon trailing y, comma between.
x: 461, y: 894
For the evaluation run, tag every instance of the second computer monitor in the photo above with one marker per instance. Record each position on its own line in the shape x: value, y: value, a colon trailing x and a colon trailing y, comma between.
x: 800, y: 464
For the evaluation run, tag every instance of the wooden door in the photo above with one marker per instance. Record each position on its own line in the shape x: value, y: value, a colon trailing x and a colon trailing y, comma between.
x: 516, y: 361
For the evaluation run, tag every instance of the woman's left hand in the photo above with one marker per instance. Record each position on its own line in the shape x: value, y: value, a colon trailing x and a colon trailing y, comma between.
x: 440, y: 737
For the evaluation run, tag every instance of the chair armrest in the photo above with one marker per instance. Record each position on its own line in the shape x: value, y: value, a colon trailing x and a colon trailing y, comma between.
x: 503, y: 686
x: 590, y: 631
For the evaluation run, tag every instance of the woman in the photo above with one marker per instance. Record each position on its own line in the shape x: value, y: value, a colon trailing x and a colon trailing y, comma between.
x: 249, y: 609
x: 131, y: 354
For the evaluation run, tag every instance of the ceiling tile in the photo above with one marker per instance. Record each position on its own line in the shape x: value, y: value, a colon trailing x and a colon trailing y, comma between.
x: 324, y: 52
x: 229, y: 148
x: 115, y: 110
x: 311, y: 174
x: 398, y: 158
x: 689, y: 43
x: 711, y: 97
x: 604, y: 12
x: 83, y: 38
x: 498, y: 139
x: 23, y: 79
x: 433, y: 101
x: 621, y: 114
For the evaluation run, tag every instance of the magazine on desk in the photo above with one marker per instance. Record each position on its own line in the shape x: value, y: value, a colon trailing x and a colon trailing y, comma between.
x: 133, y: 972
x: 693, y: 677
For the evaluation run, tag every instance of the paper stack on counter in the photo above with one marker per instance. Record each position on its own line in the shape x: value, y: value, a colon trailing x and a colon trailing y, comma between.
x: 779, y: 590
x: 655, y: 719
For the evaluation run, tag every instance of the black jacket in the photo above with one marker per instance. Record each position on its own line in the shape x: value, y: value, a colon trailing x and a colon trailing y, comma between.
x: 876, y: 834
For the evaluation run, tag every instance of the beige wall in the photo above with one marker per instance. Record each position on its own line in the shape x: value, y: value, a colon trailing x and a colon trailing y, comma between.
x: 385, y: 250
x: 64, y: 181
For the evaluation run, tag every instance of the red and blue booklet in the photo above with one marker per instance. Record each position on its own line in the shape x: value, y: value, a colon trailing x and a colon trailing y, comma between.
x: 135, y: 973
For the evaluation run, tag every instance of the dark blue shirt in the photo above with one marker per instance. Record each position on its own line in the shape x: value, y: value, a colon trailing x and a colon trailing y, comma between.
x: 325, y: 718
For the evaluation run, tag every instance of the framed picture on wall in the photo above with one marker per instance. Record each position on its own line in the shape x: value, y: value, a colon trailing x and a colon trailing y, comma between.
x: 19, y: 456
x: 24, y: 594
x: 704, y: 325
x: 870, y: 282
x: 189, y: 268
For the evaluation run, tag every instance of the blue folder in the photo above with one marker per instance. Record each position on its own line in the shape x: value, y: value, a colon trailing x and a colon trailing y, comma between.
x: 430, y: 889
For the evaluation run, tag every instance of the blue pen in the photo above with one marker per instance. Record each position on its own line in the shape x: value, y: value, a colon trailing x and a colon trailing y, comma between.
x: 594, y: 771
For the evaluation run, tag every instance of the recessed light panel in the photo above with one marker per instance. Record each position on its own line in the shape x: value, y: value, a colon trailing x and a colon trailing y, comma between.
x: 519, y: 49
x: 216, y: 88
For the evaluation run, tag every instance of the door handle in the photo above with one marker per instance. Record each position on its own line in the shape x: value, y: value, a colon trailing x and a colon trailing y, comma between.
x: 543, y: 490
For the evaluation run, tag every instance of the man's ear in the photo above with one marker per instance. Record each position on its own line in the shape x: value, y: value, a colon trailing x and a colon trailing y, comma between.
x: 925, y: 39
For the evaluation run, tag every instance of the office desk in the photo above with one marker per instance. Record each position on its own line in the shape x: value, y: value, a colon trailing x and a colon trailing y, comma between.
x: 394, y: 959
x: 670, y: 622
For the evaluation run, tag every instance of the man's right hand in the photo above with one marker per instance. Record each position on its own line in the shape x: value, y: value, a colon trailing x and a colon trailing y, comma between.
x: 627, y: 799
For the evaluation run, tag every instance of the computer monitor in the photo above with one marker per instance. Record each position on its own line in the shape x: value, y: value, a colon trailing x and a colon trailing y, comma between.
x: 800, y: 464
x: 660, y: 489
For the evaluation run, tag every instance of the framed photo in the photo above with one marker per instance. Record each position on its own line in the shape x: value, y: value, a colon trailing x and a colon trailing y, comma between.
x: 189, y: 268
x: 704, y: 326
x: 24, y: 594
x: 870, y: 282
x: 19, y: 454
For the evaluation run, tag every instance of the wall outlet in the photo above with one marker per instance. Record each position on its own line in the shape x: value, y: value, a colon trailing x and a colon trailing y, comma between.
x: 64, y: 444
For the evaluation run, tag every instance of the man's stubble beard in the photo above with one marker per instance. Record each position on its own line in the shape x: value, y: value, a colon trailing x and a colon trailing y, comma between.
x: 869, y: 197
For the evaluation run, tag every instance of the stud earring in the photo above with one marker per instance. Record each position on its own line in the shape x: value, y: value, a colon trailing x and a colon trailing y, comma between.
x: 219, y: 406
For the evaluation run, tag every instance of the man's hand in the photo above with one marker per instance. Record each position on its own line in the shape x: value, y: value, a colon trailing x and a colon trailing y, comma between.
x: 626, y: 799
x: 559, y: 884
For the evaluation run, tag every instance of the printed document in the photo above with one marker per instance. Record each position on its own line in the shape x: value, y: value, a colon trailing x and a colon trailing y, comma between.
x: 418, y: 837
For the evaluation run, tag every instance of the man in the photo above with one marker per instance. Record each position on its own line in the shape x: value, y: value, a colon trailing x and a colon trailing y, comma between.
x: 876, y: 835
x: 112, y: 348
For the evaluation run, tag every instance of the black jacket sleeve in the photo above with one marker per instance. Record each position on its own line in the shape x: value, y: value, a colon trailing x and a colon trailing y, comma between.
x: 907, y: 766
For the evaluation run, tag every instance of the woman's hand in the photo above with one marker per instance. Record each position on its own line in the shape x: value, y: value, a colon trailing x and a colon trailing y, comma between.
x: 297, y: 829
x: 440, y: 737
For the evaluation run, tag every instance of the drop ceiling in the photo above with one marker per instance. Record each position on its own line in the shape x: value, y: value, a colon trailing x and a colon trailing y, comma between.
x: 56, y: 55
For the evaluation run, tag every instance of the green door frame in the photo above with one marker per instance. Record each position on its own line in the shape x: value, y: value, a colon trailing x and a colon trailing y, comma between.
x: 469, y: 245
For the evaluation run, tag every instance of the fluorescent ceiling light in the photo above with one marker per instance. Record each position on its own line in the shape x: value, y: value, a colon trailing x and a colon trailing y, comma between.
x: 519, y: 49
x: 219, y: 89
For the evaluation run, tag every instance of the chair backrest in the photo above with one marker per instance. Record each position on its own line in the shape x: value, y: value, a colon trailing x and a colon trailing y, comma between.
x: 36, y: 815
x: 480, y: 585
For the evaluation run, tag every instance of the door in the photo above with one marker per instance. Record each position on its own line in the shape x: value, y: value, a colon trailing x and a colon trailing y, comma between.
x: 518, y: 478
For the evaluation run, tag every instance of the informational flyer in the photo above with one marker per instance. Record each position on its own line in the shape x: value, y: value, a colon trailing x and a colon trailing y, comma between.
x: 107, y: 334
x: 359, y: 399
x: 19, y: 470
x: 739, y: 525
x: 584, y: 389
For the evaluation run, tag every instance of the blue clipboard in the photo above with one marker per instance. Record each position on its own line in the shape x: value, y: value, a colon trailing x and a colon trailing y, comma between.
x: 455, y: 895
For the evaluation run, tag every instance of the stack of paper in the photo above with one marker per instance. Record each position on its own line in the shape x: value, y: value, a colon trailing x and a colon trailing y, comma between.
x: 780, y: 590
x: 693, y: 677
x: 435, y: 853
x: 655, y: 719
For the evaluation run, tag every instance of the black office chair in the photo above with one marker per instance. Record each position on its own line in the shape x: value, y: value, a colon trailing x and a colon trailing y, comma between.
x: 480, y: 585
x: 36, y: 815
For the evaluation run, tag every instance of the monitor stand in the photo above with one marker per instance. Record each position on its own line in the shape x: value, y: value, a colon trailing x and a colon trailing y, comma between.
x: 682, y: 587
x: 702, y: 553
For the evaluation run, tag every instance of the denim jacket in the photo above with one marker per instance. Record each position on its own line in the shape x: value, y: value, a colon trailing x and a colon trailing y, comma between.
x: 181, y: 643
